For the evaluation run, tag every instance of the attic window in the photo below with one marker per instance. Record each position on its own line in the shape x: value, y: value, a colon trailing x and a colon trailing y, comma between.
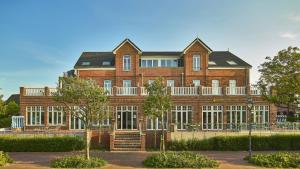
x: 85, y: 63
x: 212, y: 63
x: 231, y: 62
x: 106, y: 63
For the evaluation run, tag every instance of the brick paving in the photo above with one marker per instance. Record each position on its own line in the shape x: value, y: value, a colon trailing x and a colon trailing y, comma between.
x: 124, y: 160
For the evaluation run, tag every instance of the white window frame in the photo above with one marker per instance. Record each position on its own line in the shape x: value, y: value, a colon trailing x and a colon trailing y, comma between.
x: 35, y: 112
x: 156, y: 123
x: 197, y: 83
x: 210, y: 110
x: 259, y: 114
x: 57, y: 116
x: 106, y: 121
x: 232, y: 113
x: 184, y: 111
x: 196, y: 63
x: 172, y: 82
x: 76, y: 120
x: 126, y: 62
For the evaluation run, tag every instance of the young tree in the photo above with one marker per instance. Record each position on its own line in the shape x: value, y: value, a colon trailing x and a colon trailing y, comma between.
x: 282, y: 73
x: 85, y: 100
x: 158, y: 103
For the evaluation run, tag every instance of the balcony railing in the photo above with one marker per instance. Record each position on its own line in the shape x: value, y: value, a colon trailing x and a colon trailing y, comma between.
x: 34, y: 92
x: 108, y: 90
x: 254, y: 90
x: 141, y: 91
x: 144, y: 91
x: 235, y: 90
x: 126, y: 91
x: 211, y: 90
x: 184, y: 91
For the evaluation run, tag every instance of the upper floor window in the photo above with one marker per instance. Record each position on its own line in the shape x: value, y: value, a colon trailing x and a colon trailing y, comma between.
x: 196, y: 62
x: 159, y: 62
x: 126, y: 62
x: 212, y: 63
x: 196, y: 83
x: 169, y: 63
x: 170, y: 83
x: 85, y: 63
x: 107, y: 84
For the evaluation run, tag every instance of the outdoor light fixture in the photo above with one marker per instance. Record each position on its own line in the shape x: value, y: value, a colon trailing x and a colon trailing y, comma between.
x: 249, y: 108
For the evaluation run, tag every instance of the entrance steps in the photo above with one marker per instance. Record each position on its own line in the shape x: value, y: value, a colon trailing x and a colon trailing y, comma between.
x: 127, y: 141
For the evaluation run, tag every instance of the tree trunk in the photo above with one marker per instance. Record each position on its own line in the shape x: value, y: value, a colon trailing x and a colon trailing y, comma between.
x: 155, y: 137
x: 162, y: 141
x: 87, y: 142
x: 100, y: 132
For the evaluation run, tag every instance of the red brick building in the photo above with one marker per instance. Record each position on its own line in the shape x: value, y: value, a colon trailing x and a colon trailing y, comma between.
x: 209, y: 89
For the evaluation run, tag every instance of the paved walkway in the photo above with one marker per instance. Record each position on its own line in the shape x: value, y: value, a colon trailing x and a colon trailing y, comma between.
x: 123, y: 160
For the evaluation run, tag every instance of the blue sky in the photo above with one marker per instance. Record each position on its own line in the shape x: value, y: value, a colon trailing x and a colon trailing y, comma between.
x: 40, y: 39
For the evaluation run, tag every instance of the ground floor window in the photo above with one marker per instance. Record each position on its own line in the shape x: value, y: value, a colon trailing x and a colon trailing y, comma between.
x: 236, y: 116
x: 260, y: 114
x: 155, y: 123
x: 75, y: 120
x: 56, y: 115
x: 105, y: 116
x: 182, y: 116
x: 126, y: 117
x: 35, y: 115
x: 212, y: 117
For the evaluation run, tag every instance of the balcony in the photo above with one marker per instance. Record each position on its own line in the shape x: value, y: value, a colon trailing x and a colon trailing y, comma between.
x: 211, y: 91
x: 144, y: 91
x: 126, y: 91
x: 235, y: 90
x: 254, y: 90
x: 34, y: 92
x: 184, y: 91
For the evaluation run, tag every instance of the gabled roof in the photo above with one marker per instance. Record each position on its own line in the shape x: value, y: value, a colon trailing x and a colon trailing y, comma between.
x: 13, y: 97
x: 201, y: 42
x: 130, y: 42
x: 221, y: 58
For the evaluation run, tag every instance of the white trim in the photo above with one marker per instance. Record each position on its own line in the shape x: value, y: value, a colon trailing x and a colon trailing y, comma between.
x: 196, y: 40
x: 127, y: 40
x: 104, y: 68
x: 228, y: 68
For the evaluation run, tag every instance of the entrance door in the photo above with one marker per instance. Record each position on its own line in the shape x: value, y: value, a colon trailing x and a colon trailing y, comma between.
x: 126, y: 118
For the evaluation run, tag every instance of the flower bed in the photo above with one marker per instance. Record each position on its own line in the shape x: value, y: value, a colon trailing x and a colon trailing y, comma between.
x: 77, y: 162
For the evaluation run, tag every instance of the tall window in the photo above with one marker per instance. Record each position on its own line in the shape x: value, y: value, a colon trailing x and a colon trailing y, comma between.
x: 56, y: 115
x: 196, y: 83
x: 236, y: 116
x: 196, y: 62
x: 182, y: 115
x: 75, y: 122
x: 35, y: 115
x: 261, y: 114
x: 106, y: 117
x: 155, y: 123
x: 107, y: 86
x: 212, y: 117
x: 126, y: 62
x: 170, y: 83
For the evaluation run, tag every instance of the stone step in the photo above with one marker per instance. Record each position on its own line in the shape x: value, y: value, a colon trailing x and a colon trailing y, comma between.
x: 127, y: 141
x: 127, y: 149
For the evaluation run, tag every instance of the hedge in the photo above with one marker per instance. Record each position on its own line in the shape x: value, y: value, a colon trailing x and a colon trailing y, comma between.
x: 276, y: 160
x: 40, y: 144
x: 4, y: 159
x: 237, y: 143
x: 179, y: 160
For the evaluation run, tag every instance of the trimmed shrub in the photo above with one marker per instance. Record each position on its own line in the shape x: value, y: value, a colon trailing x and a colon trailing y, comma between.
x: 40, y: 144
x: 237, y: 143
x: 77, y: 162
x: 276, y: 160
x: 179, y: 160
x: 4, y: 158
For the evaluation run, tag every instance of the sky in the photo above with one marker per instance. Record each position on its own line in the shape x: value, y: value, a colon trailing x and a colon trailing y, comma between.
x: 41, y: 39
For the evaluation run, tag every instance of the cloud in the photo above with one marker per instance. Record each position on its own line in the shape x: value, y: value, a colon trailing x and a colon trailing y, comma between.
x: 288, y: 35
x: 295, y: 18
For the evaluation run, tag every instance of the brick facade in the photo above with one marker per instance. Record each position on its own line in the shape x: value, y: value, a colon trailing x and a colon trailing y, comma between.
x: 182, y: 76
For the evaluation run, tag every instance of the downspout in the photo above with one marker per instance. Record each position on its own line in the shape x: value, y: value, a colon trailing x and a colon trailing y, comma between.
x: 182, y: 85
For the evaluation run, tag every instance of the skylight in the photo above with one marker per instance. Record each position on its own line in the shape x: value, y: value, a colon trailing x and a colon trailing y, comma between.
x: 106, y: 63
x: 85, y: 63
x: 231, y: 62
x: 212, y: 63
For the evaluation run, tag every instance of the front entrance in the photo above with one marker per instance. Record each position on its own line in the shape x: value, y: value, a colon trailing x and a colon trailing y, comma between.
x: 126, y: 117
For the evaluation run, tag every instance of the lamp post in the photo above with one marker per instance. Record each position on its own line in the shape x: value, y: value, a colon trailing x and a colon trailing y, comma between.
x: 249, y: 108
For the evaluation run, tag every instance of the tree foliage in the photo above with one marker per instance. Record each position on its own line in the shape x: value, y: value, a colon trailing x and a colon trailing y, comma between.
x: 157, y: 103
x: 282, y: 74
x: 85, y: 100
